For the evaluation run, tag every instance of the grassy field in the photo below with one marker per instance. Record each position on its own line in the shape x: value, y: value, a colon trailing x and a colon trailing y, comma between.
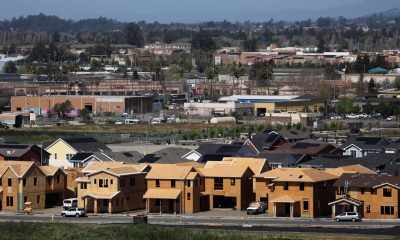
x: 39, y: 231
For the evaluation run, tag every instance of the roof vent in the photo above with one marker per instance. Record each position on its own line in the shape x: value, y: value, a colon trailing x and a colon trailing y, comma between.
x: 301, y: 176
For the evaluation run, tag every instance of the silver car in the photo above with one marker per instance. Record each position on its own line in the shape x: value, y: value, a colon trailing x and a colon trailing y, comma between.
x: 348, y: 216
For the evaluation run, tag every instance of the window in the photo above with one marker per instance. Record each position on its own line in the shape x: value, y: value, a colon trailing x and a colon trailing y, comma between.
x: 10, y: 201
x: 369, y: 209
x: 387, y: 192
x: 305, y: 205
x: 55, y: 156
x: 111, y: 181
x: 301, y: 186
x: 218, y: 183
x: 38, y: 198
x: 188, y: 196
x: 83, y: 185
x: 24, y: 182
x: 232, y: 182
x: 132, y: 182
x: 387, y: 210
x: 353, y: 153
x: 188, y: 183
x: 173, y: 183
x: 34, y: 181
x: 25, y: 199
x: 10, y: 182
x: 362, y: 190
x: 103, y: 183
x: 157, y: 183
x: 19, y: 109
x: 95, y: 181
x: 373, y: 191
x: 58, y: 178
x: 286, y: 186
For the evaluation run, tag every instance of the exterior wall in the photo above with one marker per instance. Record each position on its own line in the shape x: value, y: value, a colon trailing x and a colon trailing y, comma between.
x: 242, y: 190
x: 317, y: 194
x: 188, y: 206
x: 206, y: 109
x: 60, y: 150
x: 374, y: 201
x: 56, y: 183
x: 359, y: 153
x: 129, y: 198
x: 21, y: 194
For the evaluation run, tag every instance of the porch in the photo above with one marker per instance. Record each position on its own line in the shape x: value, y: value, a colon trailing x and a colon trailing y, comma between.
x: 346, y: 204
x: 99, y: 203
x: 163, y: 201
x: 286, y: 206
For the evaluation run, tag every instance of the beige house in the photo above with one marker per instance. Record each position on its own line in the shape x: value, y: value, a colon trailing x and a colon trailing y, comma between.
x: 115, y: 189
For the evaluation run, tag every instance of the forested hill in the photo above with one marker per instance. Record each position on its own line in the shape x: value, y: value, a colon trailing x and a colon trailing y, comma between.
x: 41, y: 22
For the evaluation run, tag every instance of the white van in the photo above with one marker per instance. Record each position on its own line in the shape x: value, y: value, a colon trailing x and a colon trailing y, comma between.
x: 132, y: 121
x: 70, y: 202
x: 156, y: 121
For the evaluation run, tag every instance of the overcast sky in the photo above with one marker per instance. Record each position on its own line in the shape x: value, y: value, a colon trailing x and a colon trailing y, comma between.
x: 181, y: 10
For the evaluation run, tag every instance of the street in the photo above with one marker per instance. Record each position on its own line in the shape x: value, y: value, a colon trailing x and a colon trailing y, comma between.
x: 252, y: 224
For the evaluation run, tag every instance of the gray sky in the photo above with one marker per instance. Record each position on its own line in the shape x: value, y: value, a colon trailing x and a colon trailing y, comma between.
x: 191, y: 10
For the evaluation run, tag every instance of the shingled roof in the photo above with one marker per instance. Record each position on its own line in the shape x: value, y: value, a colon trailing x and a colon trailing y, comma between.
x: 366, y: 143
x: 367, y: 180
x: 81, y: 144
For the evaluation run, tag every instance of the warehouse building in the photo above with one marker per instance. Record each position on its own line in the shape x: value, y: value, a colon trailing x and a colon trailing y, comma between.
x: 95, y: 104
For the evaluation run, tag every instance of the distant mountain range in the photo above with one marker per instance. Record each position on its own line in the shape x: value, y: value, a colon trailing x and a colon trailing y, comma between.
x: 363, y: 8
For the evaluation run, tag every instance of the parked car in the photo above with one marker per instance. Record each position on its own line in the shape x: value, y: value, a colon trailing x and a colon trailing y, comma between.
x: 256, y: 208
x: 362, y: 115
x: 351, y: 116
x: 70, y: 202
x: 348, y: 216
x: 391, y: 118
x: 156, y: 121
x: 118, y: 122
x: 74, y: 212
x: 336, y: 117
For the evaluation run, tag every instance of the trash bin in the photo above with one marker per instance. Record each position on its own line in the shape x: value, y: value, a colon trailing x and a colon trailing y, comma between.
x: 139, y: 219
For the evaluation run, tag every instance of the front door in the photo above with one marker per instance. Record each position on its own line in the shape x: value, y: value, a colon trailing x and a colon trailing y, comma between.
x: 287, y: 209
x: 171, y: 206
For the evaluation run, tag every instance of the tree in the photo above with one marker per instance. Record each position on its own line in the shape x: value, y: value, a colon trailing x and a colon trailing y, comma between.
x: 262, y: 72
x: 368, y: 108
x: 396, y: 83
x: 344, y: 106
x: 202, y: 40
x: 371, y: 86
x: 85, y: 115
x: 250, y: 45
x: 63, y: 108
x: 238, y: 71
x: 134, y: 35
x: 135, y: 75
x: 330, y: 72
x: 10, y: 67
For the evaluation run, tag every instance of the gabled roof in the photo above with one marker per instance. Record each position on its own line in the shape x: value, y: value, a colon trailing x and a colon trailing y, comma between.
x: 225, y: 171
x: 50, y: 170
x: 349, y: 169
x: 18, y: 150
x: 296, y: 175
x: 366, y: 143
x: 170, y: 155
x: 347, y: 199
x: 306, y: 147
x: 375, y: 162
x: 289, y: 134
x: 119, y: 171
x: 98, y: 166
x: 80, y: 144
x: 265, y: 141
x: 169, y: 171
x: 257, y: 165
x: 19, y: 168
x: 367, y: 180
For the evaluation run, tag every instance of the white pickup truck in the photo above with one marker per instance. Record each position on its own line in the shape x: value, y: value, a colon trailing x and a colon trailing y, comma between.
x: 256, y: 208
x: 74, y: 212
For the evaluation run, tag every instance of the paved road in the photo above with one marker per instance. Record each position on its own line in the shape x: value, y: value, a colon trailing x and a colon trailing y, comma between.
x: 384, y: 228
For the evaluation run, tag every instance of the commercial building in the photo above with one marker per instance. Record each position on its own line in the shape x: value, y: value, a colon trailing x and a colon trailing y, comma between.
x: 95, y: 104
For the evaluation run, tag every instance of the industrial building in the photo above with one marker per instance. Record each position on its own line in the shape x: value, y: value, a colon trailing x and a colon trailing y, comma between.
x: 95, y: 104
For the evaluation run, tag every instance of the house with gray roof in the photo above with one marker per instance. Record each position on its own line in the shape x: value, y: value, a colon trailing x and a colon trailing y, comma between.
x: 362, y: 146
